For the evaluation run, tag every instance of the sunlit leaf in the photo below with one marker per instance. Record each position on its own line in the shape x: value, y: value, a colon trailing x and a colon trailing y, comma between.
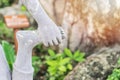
x: 69, y: 66
x: 64, y: 61
x: 68, y: 52
x: 62, y: 68
x: 76, y: 54
x: 51, y: 52
x: 9, y: 53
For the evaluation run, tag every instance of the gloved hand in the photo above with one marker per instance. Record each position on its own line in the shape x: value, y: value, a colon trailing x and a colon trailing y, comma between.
x: 51, y: 35
x: 48, y: 31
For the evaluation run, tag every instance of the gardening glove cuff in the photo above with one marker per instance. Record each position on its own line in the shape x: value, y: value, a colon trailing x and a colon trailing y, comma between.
x: 22, y: 75
x: 5, y: 73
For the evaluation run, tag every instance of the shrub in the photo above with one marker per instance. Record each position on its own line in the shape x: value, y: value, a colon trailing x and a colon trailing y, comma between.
x: 60, y: 64
x: 36, y: 63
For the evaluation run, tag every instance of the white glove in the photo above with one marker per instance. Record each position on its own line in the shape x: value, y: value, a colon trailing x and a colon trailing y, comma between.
x: 48, y: 31
x: 22, y: 69
x: 51, y: 35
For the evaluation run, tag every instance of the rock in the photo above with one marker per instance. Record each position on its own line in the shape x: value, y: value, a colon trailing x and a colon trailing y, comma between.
x: 97, y: 66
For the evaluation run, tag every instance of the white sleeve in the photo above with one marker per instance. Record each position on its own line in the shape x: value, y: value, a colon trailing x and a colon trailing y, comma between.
x: 37, y: 11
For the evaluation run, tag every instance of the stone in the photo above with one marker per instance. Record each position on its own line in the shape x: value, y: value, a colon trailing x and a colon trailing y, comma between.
x: 97, y: 66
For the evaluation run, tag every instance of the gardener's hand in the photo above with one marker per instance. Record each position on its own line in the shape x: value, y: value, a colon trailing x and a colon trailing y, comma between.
x: 51, y: 34
x: 47, y: 31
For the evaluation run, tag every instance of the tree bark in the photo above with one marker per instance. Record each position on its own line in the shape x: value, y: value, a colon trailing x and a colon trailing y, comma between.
x: 89, y: 26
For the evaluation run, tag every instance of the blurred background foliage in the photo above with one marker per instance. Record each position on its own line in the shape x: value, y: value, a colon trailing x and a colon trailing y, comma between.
x: 4, y: 3
x: 5, y: 33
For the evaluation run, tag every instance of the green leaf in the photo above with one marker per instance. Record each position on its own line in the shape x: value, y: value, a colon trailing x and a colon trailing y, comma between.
x: 36, y: 61
x: 52, y: 63
x: 68, y: 53
x: 77, y: 54
x: 82, y: 54
x: 59, y: 55
x: 52, y: 78
x: 64, y: 61
x: 51, y: 52
x: 9, y: 53
x: 115, y: 75
x: 69, y: 66
x: 35, y: 58
x: 52, y: 70
x: 80, y: 58
x: 62, y: 68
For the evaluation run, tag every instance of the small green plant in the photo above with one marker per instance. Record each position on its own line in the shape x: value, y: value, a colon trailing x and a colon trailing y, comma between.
x: 36, y: 63
x: 9, y: 53
x: 60, y: 64
x: 76, y: 56
x: 115, y: 73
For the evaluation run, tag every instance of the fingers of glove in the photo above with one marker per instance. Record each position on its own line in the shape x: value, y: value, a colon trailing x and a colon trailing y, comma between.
x: 64, y: 36
x: 59, y: 39
x: 55, y: 42
x: 50, y: 43
x: 46, y: 43
x: 61, y: 29
x: 62, y: 33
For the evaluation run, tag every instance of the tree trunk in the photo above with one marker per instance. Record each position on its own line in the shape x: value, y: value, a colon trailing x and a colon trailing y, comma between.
x: 90, y: 24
